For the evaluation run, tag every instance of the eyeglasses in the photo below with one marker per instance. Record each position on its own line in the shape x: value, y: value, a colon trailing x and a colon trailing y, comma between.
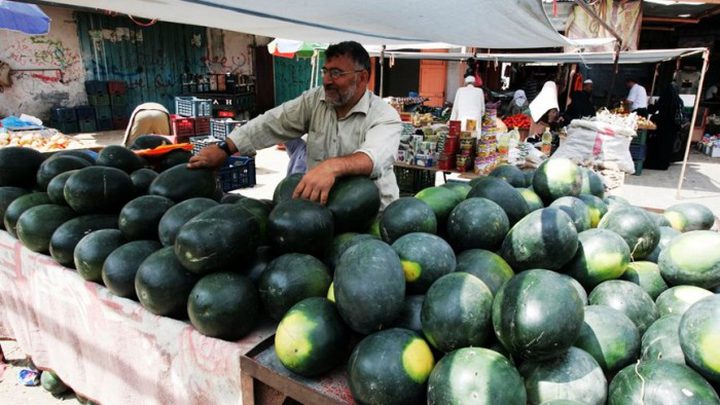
x: 337, y: 73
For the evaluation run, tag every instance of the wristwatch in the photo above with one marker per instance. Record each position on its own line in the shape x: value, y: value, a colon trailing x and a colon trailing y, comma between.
x: 225, y: 147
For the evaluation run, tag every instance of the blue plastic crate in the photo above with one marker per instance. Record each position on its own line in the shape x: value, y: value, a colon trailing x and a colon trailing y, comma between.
x: 237, y: 172
x: 104, y: 124
x: 103, y: 112
x: 63, y: 114
x: 88, y: 125
x: 66, y: 127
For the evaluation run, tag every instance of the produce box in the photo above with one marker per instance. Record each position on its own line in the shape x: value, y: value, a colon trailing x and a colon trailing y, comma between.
x: 87, y: 125
x: 202, y: 125
x: 85, y: 112
x: 63, y: 114
x: 99, y: 99
x: 182, y: 126
x: 96, y: 87
x: 411, y: 180
x: 193, y: 107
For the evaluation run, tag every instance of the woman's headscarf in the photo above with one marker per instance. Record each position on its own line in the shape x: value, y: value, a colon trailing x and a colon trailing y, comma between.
x: 519, y: 98
x: 670, y: 101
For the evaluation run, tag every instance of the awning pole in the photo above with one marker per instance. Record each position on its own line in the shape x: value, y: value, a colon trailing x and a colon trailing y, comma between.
x: 382, y: 69
x: 655, y: 75
x: 706, y: 60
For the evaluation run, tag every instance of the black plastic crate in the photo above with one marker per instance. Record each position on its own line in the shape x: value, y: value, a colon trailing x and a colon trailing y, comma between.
x: 638, y: 151
x: 237, y: 172
x: 193, y: 107
x: 66, y: 127
x: 118, y: 99
x: 85, y: 112
x: 411, y: 180
x: 95, y: 87
x: 63, y: 114
x: 221, y: 128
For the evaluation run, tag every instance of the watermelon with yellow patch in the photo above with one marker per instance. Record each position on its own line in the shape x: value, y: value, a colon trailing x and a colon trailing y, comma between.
x: 424, y: 258
x: 555, y: 178
x: 390, y: 367
x: 686, y: 217
x: 601, y: 255
x: 677, y: 300
x: 700, y: 337
x: 311, y: 338
x: 692, y: 258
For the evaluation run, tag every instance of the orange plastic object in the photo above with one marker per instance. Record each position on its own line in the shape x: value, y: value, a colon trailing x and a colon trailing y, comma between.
x: 163, y: 149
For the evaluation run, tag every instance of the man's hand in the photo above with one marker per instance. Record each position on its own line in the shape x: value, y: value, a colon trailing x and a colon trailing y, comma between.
x: 210, y: 157
x: 317, y: 182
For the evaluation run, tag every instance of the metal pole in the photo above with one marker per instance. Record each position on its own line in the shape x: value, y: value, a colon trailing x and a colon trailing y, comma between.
x: 382, y: 69
x: 706, y: 61
x: 655, y: 75
x: 615, y: 71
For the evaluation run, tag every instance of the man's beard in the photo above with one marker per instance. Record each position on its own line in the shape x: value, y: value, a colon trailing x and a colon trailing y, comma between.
x: 337, y: 98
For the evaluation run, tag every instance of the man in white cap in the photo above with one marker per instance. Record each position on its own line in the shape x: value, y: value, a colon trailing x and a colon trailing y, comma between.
x: 469, y: 103
x: 581, y: 104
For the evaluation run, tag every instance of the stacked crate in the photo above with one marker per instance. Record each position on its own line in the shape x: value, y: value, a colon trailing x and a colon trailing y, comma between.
x: 64, y: 120
x: 192, y: 118
x: 98, y: 97
x: 118, y: 104
x: 86, y: 118
x: 638, y: 148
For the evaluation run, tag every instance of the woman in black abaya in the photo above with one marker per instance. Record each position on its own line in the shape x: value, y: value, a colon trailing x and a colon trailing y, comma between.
x: 660, y: 143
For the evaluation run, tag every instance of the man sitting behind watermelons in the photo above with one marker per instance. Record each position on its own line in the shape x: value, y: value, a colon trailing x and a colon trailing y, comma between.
x: 351, y: 131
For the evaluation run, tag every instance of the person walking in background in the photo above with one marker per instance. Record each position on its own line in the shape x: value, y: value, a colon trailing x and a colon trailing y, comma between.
x: 661, y: 143
x: 636, y: 100
x: 469, y: 103
x: 146, y: 119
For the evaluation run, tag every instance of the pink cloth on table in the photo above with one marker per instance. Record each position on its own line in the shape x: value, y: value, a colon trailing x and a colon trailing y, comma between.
x: 108, y: 348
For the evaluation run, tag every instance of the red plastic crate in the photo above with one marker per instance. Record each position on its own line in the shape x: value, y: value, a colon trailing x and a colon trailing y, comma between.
x: 182, y: 126
x: 117, y: 87
x: 202, y: 125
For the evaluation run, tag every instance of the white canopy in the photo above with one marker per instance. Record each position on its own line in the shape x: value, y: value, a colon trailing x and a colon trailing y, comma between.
x: 479, y: 23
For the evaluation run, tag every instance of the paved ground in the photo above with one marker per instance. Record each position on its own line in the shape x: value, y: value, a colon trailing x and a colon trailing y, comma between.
x: 656, y: 189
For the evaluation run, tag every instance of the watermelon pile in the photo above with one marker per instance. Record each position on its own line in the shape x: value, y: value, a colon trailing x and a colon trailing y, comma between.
x: 522, y: 287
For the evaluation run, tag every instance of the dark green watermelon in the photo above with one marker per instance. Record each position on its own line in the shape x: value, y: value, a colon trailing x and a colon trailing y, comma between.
x: 647, y: 276
x: 573, y: 375
x: 490, y: 268
x: 390, y: 367
x: 475, y: 375
x: 301, y: 226
x: 56, y: 165
x: 531, y: 198
x: 172, y: 159
x: 662, y: 340
x: 510, y: 173
x: 578, y: 211
x: 601, y: 255
x: 56, y: 187
x: 178, y: 215
x: 121, y: 266
x: 406, y: 215
x: 289, y: 279
x: 311, y: 338
x: 592, y: 183
x: 8, y: 194
x: 556, y: 178
x: 610, y: 337
x: 425, y: 258
x: 179, y: 183
x: 538, y: 314
x: 627, y: 298
x: 19, y: 166
x: 18, y: 206
x: 52, y: 383
x: 545, y: 239
x: 456, y: 312
x: 218, y: 238
x: 686, y: 217
x: 163, y: 285
x: 92, y: 250
x: 597, y: 208
x: 139, y: 218
x: 119, y: 157
x: 502, y: 193
x: 98, y: 189
x: 369, y: 286
x: 666, y: 235
x: 285, y: 189
x: 224, y: 305
x: 141, y: 179
x: 37, y: 224
x: 340, y: 244
x: 660, y: 382
x: 354, y: 202
x: 636, y: 227
x: 677, y: 300
x: 442, y: 200
x: 477, y: 223
x: 461, y: 188
x: 699, y: 334
x: 692, y: 258
x: 149, y: 142
x: 409, y: 317
x: 66, y: 236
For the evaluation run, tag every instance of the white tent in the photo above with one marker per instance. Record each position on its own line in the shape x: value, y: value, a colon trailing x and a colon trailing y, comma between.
x: 480, y: 23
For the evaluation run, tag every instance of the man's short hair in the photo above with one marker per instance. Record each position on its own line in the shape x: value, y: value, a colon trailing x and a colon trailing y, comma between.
x: 354, y: 50
x: 631, y: 79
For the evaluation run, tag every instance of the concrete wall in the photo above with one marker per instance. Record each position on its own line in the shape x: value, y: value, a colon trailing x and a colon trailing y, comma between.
x: 35, y: 91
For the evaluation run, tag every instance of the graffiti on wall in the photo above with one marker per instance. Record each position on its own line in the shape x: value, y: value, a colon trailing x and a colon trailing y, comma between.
x: 45, y: 59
